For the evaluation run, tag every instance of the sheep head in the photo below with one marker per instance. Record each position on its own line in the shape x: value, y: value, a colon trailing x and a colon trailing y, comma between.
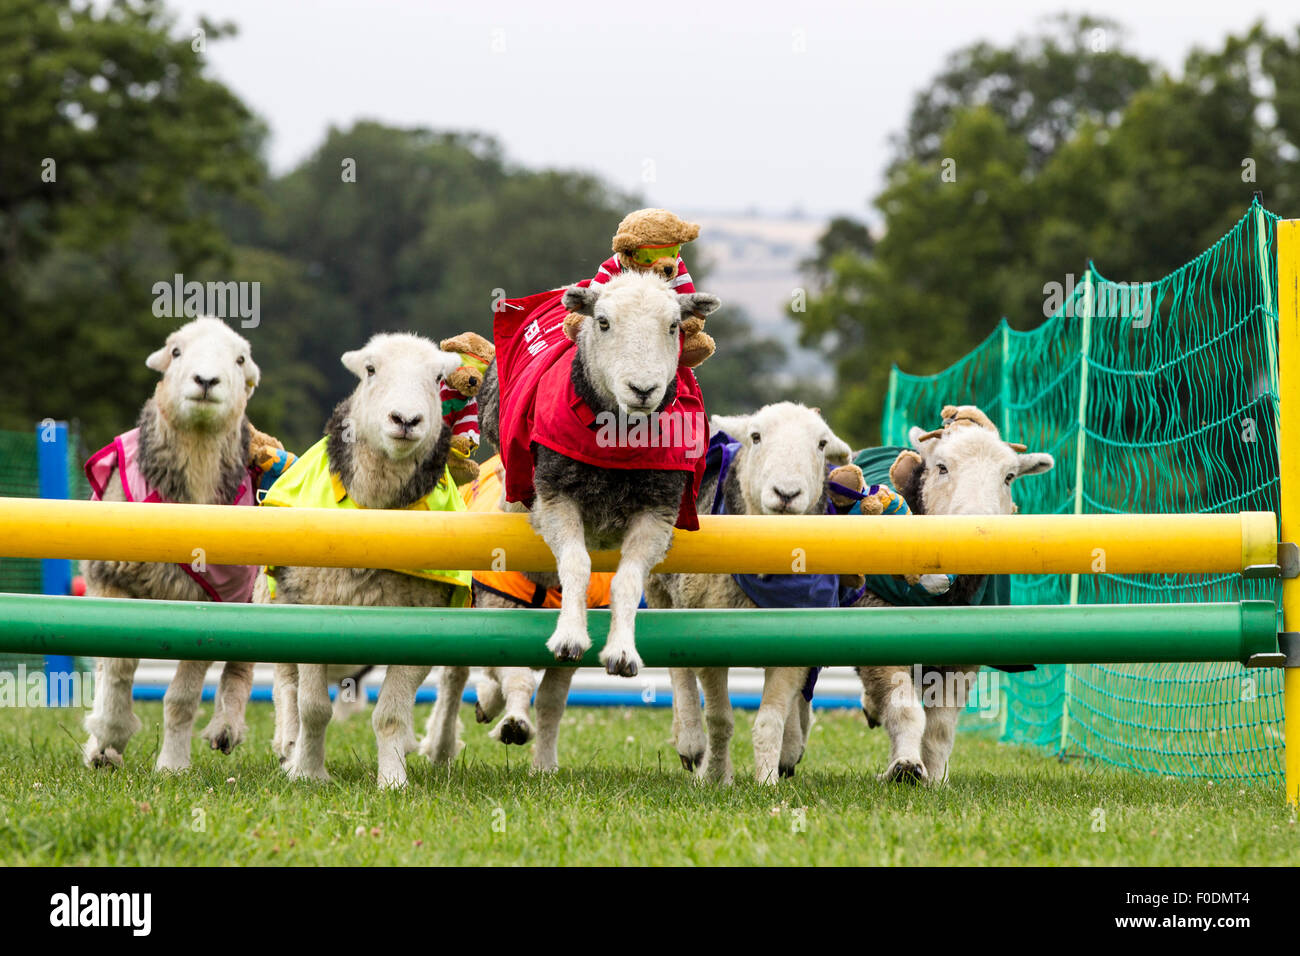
x: 629, y: 341
x: 965, y: 467
x: 396, y: 407
x: 208, y: 376
x: 782, y: 469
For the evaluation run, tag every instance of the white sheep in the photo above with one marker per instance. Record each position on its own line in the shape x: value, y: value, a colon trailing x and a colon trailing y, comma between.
x: 190, y: 446
x: 964, y: 468
x: 385, y: 447
x: 779, y: 469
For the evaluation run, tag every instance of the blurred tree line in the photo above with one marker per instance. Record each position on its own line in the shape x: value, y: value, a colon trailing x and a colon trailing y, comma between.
x: 126, y: 163
x: 1018, y: 164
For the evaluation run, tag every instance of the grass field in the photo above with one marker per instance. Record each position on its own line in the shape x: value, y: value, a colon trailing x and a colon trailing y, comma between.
x: 621, y: 799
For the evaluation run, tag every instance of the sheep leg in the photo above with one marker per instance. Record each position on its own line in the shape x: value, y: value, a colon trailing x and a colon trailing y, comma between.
x: 716, y: 765
x: 393, y: 718
x: 351, y: 696
x: 515, y: 727
x: 645, y: 543
x: 284, y: 697
x: 314, y: 711
x: 226, y: 728
x: 490, y: 699
x: 780, y: 685
x: 552, y: 695
x: 688, y: 729
x: 180, y: 705
x: 941, y: 725
x: 798, y: 722
x: 442, y: 740
x: 559, y: 522
x: 894, y: 701
x: 111, y: 721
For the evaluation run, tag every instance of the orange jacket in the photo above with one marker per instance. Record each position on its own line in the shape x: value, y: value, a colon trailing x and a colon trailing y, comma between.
x: 484, y: 494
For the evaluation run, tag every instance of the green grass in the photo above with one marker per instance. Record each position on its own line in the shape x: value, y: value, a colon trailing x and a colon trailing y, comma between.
x: 621, y: 798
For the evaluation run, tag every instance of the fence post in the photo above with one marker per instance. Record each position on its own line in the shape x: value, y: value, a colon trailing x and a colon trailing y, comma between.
x: 887, y: 426
x: 1288, y: 325
x: 56, y: 573
x: 1083, y: 308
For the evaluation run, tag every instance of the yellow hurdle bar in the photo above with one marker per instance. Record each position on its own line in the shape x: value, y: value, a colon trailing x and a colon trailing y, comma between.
x: 1288, y: 361
x: 1013, y: 544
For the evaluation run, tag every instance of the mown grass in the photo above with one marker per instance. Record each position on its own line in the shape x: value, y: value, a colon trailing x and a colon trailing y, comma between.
x: 621, y: 799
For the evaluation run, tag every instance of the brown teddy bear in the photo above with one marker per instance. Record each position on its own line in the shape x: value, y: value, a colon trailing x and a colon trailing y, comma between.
x: 650, y: 240
x: 460, y: 402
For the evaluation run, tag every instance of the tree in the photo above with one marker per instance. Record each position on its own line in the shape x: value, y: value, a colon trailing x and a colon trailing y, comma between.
x: 111, y: 132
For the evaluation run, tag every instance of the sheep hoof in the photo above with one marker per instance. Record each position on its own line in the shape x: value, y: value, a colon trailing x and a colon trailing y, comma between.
x: 223, y: 741
x: 569, y: 652
x: 512, y: 730
x: 623, y: 664
x: 691, y: 761
x: 480, y: 714
x: 905, y: 771
x: 100, y: 757
x: 784, y: 771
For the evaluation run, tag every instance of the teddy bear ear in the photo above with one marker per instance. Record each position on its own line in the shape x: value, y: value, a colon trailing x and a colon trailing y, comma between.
x: 572, y: 323
x: 905, y: 469
x: 470, y: 343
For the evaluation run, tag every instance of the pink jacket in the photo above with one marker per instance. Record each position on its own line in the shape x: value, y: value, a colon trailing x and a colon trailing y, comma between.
x: 222, y: 582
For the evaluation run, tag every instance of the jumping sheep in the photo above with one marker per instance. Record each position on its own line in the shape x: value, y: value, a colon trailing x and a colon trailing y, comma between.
x: 779, y: 468
x: 385, y: 446
x: 191, y: 446
x: 965, y: 468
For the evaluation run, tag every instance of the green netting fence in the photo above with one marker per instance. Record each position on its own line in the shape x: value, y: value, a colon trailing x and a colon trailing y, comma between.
x: 19, y: 479
x: 1158, y: 396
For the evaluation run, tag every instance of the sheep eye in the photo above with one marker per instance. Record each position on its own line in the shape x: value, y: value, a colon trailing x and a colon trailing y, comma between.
x: 370, y: 370
x: 176, y: 353
x: 755, y: 437
x: 1011, y: 476
x: 240, y: 360
x: 943, y: 469
x: 672, y: 329
x: 603, y: 323
x: 821, y: 445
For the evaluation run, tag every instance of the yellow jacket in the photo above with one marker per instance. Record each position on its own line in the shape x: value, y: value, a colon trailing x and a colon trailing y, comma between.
x: 310, y: 483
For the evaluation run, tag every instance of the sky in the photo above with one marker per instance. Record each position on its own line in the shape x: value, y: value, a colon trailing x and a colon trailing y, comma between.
x: 699, y: 106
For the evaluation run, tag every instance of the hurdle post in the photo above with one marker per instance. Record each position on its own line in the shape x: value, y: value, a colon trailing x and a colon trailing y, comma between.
x: 56, y: 573
x: 1288, y: 327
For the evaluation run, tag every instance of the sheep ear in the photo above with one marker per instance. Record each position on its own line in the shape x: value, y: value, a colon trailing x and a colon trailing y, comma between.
x: 698, y: 303
x: 914, y: 437
x: 446, y: 363
x: 838, y: 451
x: 355, y: 362
x: 252, y: 375
x: 737, y: 426
x: 580, y: 300
x: 159, y: 360
x: 1034, y: 463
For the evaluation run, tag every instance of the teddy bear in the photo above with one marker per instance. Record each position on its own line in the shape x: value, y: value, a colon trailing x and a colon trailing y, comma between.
x: 460, y: 402
x: 650, y: 240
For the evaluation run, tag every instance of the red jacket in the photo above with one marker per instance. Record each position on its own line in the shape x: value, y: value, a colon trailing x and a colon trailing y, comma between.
x: 539, y: 404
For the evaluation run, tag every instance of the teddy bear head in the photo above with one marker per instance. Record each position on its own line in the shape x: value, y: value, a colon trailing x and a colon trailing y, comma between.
x: 477, y: 354
x: 649, y: 240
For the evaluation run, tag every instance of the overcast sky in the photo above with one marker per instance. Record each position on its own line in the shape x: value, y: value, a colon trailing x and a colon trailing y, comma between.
x: 698, y: 105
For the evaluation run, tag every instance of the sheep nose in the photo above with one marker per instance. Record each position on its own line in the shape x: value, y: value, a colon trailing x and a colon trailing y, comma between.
x: 786, y: 496
x: 641, y: 393
x: 206, y: 383
x: 401, y: 422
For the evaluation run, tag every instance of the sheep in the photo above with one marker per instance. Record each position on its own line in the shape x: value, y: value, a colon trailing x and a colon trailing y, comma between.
x: 965, y: 468
x: 191, y: 445
x: 385, y: 446
x: 779, y: 469
x: 625, y: 369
